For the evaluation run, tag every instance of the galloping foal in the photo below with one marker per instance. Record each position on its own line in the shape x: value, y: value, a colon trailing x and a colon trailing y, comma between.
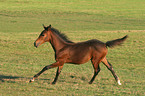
x: 67, y: 51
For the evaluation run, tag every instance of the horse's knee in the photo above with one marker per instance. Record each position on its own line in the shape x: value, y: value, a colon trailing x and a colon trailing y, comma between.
x: 45, y: 68
x: 97, y: 71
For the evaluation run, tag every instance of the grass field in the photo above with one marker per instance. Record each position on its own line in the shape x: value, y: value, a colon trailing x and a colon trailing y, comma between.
x: 21, y: 23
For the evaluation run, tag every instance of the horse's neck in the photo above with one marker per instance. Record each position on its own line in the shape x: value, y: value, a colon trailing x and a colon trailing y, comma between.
x: 57, y: 42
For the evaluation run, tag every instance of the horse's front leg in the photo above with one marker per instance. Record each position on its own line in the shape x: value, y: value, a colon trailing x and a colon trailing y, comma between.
x: 56, y: 64
x: 57, y: 74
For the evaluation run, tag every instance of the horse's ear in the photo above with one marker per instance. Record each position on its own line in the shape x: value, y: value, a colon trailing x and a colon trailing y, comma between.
x: 49, y: 26
x: 44, y: 26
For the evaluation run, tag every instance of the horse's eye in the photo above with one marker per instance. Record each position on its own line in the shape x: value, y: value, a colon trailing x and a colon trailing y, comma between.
x: 42, y: 35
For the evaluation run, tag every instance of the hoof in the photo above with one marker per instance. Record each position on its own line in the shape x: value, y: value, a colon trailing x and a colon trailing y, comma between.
x: 90, y: 82
x: 118, y: 82
x: 53, y: 83
x: 31, y: 80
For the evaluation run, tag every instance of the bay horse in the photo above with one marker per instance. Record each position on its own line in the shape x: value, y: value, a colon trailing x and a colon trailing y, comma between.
x: 67, y: 51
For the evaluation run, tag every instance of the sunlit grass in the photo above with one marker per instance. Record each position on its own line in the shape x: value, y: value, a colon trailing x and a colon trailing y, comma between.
x: 21, y: 23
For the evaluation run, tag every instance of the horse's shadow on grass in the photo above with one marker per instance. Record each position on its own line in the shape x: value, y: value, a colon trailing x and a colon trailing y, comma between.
x: 4, y: 78
x: 13, y: 79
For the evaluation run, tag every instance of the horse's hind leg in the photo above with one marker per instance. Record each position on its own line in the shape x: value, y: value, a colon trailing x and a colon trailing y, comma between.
x: 96, y: 66
x: 109, y: 66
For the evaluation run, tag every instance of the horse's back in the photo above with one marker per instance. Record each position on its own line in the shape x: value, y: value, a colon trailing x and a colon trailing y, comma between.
x: 94, y: 43
x: 83, y: 51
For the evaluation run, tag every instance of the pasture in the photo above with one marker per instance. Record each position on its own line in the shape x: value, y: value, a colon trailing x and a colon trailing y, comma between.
x: 21, y: 23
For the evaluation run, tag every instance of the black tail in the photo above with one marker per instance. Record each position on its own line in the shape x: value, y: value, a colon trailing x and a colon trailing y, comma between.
x: 115, y: 42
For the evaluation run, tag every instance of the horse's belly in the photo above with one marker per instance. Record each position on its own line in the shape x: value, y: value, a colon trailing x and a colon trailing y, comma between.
x: 79, y: 58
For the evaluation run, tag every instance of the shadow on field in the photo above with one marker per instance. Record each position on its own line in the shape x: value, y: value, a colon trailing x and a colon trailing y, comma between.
x: 4, y: 78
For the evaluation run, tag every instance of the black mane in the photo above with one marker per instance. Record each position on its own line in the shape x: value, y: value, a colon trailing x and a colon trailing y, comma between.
x: 62, y: 35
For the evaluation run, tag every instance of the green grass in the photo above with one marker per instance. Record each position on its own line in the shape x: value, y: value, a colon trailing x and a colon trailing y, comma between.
x: 21, y: 22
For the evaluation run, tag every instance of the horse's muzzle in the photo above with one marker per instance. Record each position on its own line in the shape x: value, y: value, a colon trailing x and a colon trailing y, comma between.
x: 35, y: 44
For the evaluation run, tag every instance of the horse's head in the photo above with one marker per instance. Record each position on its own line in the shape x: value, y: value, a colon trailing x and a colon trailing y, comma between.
x: 43, y: 37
